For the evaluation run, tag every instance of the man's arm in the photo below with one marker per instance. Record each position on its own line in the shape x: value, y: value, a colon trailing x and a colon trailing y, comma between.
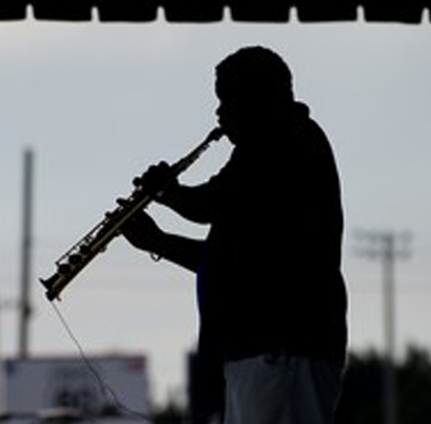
x: 144, y: 234
x: 197, y: 203
x: 179, y: 250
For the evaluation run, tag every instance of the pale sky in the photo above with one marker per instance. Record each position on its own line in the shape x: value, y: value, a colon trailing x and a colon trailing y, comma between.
x: 98, y: 103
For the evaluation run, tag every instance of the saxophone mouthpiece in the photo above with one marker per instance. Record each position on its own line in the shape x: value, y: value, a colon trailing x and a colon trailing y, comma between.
x: 216, y: 134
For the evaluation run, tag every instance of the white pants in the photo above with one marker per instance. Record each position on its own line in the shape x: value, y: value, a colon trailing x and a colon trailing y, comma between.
x: 281, y: 389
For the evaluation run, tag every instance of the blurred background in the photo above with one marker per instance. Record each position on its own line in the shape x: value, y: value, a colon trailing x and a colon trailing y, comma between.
x: 91, y: 105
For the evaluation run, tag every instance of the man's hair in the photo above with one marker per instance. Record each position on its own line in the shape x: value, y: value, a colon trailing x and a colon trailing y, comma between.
x: 254, y: 71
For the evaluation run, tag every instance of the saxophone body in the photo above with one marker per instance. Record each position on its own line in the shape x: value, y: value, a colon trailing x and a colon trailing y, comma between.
x: 71, y: 263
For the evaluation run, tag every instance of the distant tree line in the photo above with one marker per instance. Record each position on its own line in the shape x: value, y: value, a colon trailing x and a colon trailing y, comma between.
x: 362, y: 399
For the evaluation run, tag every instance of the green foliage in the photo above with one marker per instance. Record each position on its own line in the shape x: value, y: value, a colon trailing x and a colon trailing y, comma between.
x: 361, y: 401
x: 362, y: 398
x: 171, y: 414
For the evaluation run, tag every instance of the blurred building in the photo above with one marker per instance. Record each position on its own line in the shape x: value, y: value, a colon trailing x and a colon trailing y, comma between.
x: 60, y: 389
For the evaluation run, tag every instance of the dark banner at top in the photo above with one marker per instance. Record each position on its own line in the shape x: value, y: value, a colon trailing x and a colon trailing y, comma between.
x: 204, y: 11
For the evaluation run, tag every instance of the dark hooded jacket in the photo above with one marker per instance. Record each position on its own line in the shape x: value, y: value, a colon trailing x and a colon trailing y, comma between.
x: 269, y: 278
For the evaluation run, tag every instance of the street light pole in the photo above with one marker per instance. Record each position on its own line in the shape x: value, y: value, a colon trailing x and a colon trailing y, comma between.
x: 387, y: 246
x: 26, y: 250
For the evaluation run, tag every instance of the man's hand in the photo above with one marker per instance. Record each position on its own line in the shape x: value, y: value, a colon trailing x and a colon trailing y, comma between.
x: 158, y: 181
x: 142, y: 232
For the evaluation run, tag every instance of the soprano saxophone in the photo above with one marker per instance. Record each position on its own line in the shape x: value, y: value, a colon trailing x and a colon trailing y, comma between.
x: 71, y: 263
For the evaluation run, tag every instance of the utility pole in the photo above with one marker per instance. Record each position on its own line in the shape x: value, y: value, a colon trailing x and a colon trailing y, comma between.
x: 26, y: 250
x: 387, y: 247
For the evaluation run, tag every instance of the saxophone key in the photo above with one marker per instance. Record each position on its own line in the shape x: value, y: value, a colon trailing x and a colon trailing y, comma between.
x: 64, y: 269
x: 75, y: 259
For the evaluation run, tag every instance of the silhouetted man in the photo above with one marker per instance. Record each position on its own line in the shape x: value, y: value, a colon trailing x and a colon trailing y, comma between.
x: 271, y: 296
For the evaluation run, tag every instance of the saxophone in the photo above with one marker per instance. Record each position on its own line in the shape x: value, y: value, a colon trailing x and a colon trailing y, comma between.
x: 72, y: 262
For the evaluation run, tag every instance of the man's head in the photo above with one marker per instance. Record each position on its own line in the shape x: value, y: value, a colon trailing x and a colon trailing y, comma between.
x: 251, y: 84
